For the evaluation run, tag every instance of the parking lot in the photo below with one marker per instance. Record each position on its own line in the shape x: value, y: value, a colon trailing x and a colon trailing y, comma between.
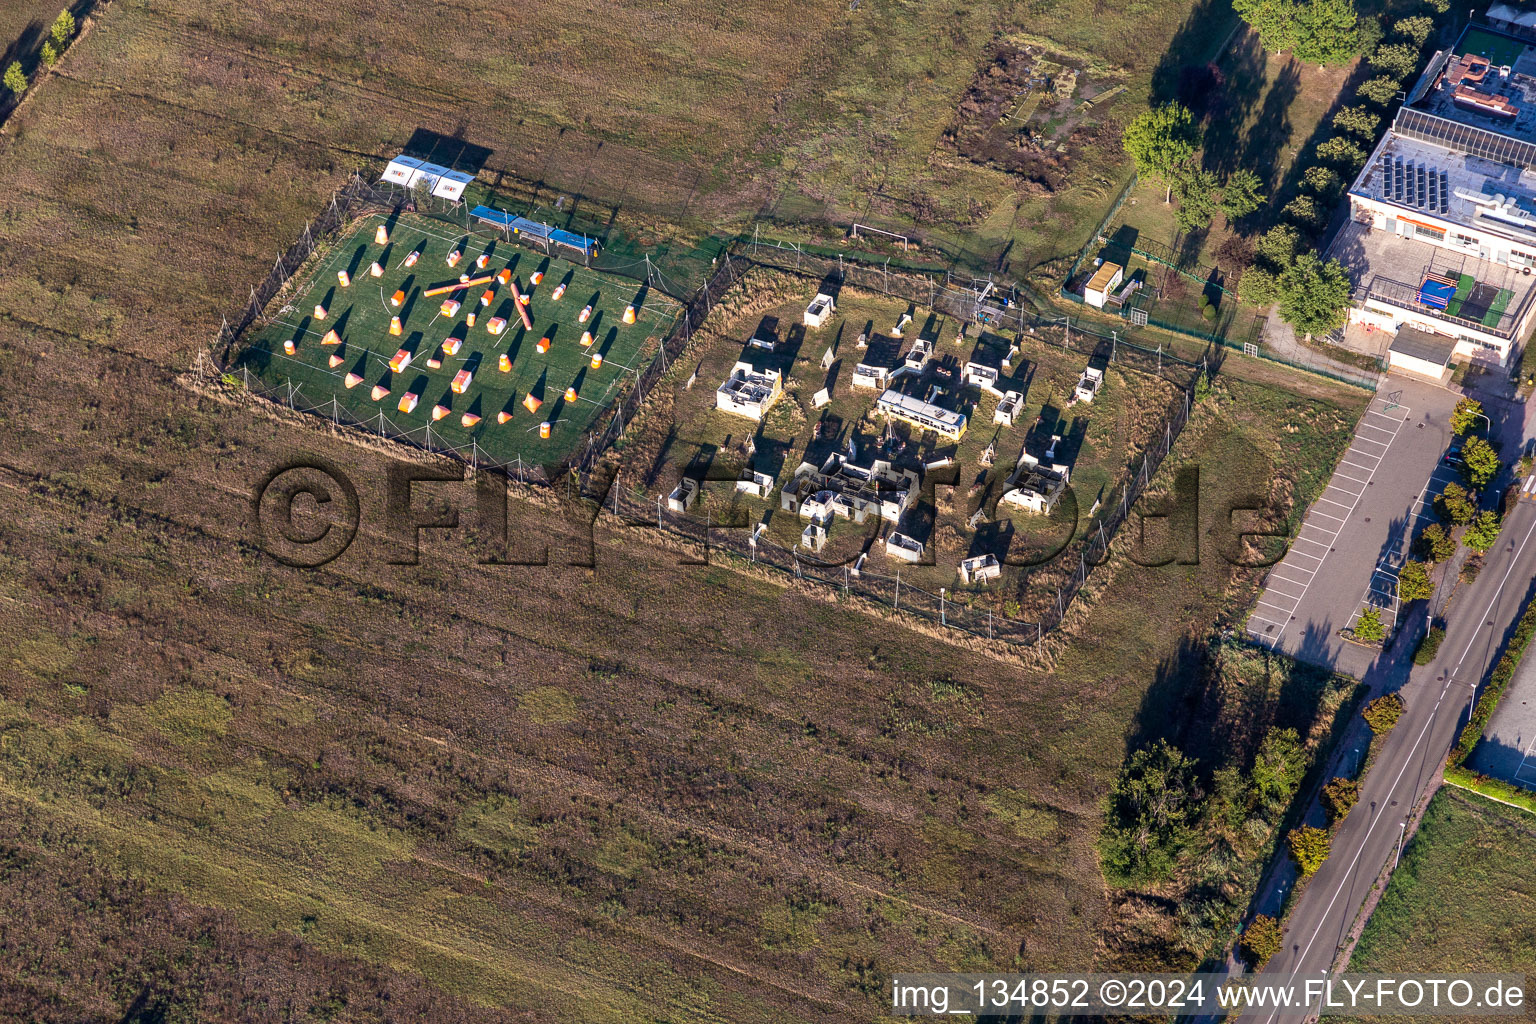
x: 1355, y: 536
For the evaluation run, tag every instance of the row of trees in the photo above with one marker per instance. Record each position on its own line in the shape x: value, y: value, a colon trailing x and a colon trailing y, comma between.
x: 1165, y: 144
x: 1313, y: 295
x: 59, y: 37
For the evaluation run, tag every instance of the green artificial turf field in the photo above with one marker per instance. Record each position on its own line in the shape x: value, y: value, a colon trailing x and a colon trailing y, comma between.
x: 360, y: 314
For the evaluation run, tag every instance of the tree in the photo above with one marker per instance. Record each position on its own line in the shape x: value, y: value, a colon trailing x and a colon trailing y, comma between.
x: 1273, y: 20
x: 1314, y: 296
x: 1479, y: 461
x: 63, y: 29
x: 1305, y: 211
x: 1278, y: 246
x: 1434, y: 544
x: 1198, y: 197
x: 1358, y: 121
x: 1413, y: 582
x: 1327, y: 32
x: 1369, y: 628
x: 1202, y: 386
x: 1455, y: 505
x: 1339, y: 796
x: 1396, y: 59
x: 1242, y: 194
x: 1148, y: 815
x: 1382, y: 713
x: 1278, y: 767
x: 1258, y: 287
x: 1262, y: 939
x: 1467, y: 415
x: 1341, y: 151
x: 1321, y: 180
x: 49, y: 55
x: 1381, y: 90
x: 1483, y: 532
x: 16, y: 79
x: 1416, y: 29
x: 1309, y: 848
x: 1162, y: 141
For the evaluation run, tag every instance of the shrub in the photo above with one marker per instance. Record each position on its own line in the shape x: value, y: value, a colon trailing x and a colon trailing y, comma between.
x: 63, y: 29
x: 1208, y: 312
x: 1339, y: 796
x: 1397, y: 59
x: 1382, y: 713
x: 15, y: 78
x: 1381, y: 90
x: 1309, y: 847
x: 1202, y: 386
x: 1278, y: 767
x: 1369, y: 628
x: 1261, y: 941
x: 1429, y: 646
x: 1416, y: 29
x: 1358, y: 121
x: 1483, y: 532
x: 50, y: 56
x: 1434, y: 544
x: 1148, y: 815
x: 1413, y: 582
x: 1498, y: 679
x: 1469, y: 569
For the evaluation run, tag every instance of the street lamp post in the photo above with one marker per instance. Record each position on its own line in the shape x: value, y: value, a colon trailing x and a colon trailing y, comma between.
x: 1402, y: 830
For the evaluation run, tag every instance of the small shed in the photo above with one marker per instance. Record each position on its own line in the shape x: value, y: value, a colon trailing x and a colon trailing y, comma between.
x: 1104, y: 280
x: 1421, y: 353
x: 683, y: 495
x: 980, y: 569
x: 820, y: 310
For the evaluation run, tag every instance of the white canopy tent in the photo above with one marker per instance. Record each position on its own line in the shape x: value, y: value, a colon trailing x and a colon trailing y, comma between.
x: 410, y: 172
x: 451, y: 185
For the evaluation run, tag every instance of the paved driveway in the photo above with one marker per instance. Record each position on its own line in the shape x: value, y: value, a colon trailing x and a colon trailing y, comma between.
x: 1356, y: 535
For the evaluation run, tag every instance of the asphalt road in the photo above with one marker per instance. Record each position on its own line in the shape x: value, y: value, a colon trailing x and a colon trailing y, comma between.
x: 1437, y: 697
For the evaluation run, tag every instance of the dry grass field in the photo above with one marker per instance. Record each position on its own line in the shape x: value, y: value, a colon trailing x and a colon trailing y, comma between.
x: 460, y: 791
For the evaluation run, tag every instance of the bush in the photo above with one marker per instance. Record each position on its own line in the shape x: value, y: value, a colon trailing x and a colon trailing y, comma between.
x: 15, y: 78
x: 1497, y: 681
x: 1369, y: 628
x: 1202, y: 386
x: 1339, y: 796
x: 1147, y: 816
x: 1429, y: 646
x: 1278, y: 767
x: 1309, y: 847
x: 49, y: 55
x: 1469, y: 569
x: 1382, y: 713
x: 1434, y: 544
x: 1261, y: 941
x: 1208, y: 311
x: 1413, y: 582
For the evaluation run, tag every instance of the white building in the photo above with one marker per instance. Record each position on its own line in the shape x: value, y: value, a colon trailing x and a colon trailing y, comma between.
x: 923, y: 415
x: 1102, y: 283
x: 842, y: 487
x: 1443, y: 237
x: 918, y: 355
x: 1008, y: 409
x: 820, y: 310
x: 683, y: 495
x: 980, y: 569
x: 1036, y: 484
x: 1088, y: 384
x: 903, y: 548
x: 867, y: 376
x: 749, y: 392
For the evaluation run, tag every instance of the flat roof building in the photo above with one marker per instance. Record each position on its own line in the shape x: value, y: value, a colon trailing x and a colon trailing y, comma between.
x: 924, y: 415
x: 749, y: 392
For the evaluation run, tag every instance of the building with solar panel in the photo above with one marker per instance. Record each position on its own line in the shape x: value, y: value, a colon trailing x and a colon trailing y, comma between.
x: 1442, y: 232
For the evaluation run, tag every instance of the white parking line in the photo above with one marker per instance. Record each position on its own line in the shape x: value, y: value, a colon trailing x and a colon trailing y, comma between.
x: 1285, y: 611
x: 1314, y: 513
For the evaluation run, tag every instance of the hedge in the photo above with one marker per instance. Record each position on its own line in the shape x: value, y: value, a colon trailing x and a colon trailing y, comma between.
x: 1493, y: 789
x: 1496, y: 684
x: 1429, y: 646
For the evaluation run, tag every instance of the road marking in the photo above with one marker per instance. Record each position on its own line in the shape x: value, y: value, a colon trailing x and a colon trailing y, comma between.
x: 1418, y: 740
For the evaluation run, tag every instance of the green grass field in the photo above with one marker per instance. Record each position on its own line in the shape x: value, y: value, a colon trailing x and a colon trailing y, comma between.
x: 1464, y: 896
x: 361, y: 312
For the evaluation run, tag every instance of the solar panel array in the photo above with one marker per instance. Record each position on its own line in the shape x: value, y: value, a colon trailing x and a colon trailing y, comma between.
x: 1415, y: 184
x: 1464, y: 138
